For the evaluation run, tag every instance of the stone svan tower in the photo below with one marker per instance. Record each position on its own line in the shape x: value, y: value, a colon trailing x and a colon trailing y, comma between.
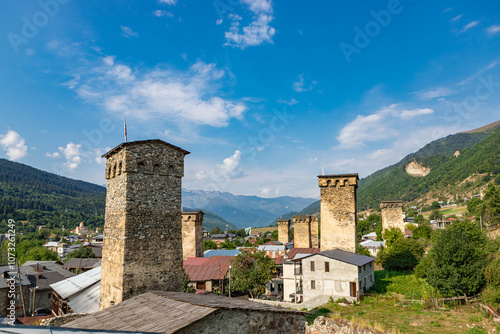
x: 315, y: 231
x: 392, y: 215
x: 192, y: 234
x: 142, y: 232
x: 284, y: 231
x: 302, y: 231
x: 338, y: 212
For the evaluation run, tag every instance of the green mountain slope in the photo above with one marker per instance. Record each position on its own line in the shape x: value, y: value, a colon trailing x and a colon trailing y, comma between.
x: 210, y: 220
x: 27, y: 193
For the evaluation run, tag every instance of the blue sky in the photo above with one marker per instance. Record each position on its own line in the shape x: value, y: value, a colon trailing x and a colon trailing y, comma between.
x: 263, y: 93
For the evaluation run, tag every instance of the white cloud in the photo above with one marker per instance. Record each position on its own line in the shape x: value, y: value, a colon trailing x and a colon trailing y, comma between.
x: 160, y: 13
x: 375, y: 127
x: 159, y: 93
x: 71, y: 153
x: 469, y: 25
x: 257, y: 32
x: 493, y: 30
x: 299, y: 85
x: 14, y: 145
x: 435, y: 93
x: 169, y: 2
x: 230, y: 167
x: 128, y: 32
x: 456, y: 18
x: 290, y: 102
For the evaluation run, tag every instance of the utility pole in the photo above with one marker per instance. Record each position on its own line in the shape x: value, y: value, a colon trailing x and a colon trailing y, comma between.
x: 229, y: 281
x: 481, y: 222
x: 20, y: 287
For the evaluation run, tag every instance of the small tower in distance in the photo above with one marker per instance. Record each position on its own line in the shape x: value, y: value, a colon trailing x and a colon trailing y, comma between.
x: 392, y: 215
x: 284, y: 231
x: 142, y: 248
x: 302, y: 231
x: 192, y: 234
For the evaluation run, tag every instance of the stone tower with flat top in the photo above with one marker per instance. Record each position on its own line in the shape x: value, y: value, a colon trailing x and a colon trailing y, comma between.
x: 284, y: 231
x: 338, y: 212
x: 142, y: 231
x: 192, y: 234
x: 302, y: 231
x: 392, y: 215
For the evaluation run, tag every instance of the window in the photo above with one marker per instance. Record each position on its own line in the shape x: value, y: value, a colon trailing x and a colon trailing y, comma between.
x: 49, y: 295
x: 327, y: 267
x: 313, y: 285
x: 312, y: 266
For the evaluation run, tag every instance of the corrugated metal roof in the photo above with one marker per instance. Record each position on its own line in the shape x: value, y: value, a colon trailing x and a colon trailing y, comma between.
x: 86, y: 301
x: 270, y: 248
x: 73, y: 285
x: 166, y: 312
x: 221, y: 252
x: 347, y: 257
x: 85, y: 263
x: 195, y: 261
x: 215, y: 268
x: 294, y: 251
x: 371, y: 243
x: 9, y: 329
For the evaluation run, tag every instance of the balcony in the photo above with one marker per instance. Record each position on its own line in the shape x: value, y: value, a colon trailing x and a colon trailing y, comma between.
x: 298, y: 271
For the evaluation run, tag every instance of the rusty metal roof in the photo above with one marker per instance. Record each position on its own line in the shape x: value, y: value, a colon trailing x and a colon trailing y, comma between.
x: 166, y: 312
x: 114, y: 150
x: 76, y: 284
x: 215, y: 268
x: 294, y: 251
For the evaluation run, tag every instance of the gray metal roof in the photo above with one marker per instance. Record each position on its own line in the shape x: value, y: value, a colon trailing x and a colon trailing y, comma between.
x: 221, y: 252
x: 23, y: 329
x: 347, y: 257
x: 270, y: 248
x: 83, y: 263
x: 86, y: 301
x: 13, y: 272
x: 76, y: 284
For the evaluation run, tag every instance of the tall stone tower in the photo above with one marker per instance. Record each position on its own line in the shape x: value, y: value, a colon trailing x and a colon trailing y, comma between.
x: 302, y: 231
x: 392, y: 215
x: 192, y: 234
x: 284, y: 230
x: 142, y: 231
x: 315, y: 231
x: 338, y: 212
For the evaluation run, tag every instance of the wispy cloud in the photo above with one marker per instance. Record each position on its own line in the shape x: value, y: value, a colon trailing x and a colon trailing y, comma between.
x: 169, y: 2
x: 435, y: 93
x: 456, y: 18
x: 257, y: 32
x: 299, y: 86
x: 128, y: 32
x: 493, y: 30
x: 469, y: 26
x: 160, y: 93
x: 161, y: 13
x: 14, y: 145
x: 376, y: 127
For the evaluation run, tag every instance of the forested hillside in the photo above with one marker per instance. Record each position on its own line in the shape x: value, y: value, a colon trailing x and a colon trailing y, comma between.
x: 29, y: 194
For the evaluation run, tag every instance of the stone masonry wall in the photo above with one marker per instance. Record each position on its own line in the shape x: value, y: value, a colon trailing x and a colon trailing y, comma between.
x: 302, y: 231
x: 314, y: 231
x: 392, y: 215
x: 338, y: 212
x: 192, y: 234
x: 142, y: 232
x: 246, y: 322
x: 284, y: 230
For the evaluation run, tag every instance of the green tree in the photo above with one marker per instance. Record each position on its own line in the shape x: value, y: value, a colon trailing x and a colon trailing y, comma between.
x: 489, y: 209
x: 403, y: 255
x: 457, y: 259
x: 435, y: 205
x: 81, y: 252
x: 274, y: 235
x: 186, y: 288
x: 392, y: 235
x: 435, y: 215
x: 422, y: 231
x: 209, y: 244
x: 250, y: 272
x: 216, y: 230
x: 363, y: 251
x: 38, y: 253
x: 473, y: 205
x: 227, y: 245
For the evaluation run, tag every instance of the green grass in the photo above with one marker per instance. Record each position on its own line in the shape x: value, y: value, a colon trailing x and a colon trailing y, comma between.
x: 378, y: 310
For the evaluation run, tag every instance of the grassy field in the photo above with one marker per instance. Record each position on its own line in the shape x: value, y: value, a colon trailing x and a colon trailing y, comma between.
x: 454, y: 210
x: 263, y: 229
x: 383, y: 311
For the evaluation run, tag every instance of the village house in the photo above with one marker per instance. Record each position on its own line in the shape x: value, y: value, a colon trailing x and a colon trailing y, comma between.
x: 41, y: 275
x: 208, y: 273
x: 22, y: 305
x: 81, y: 230
x: 372, y: 246
x: 77, y: 294
x: 79, y: 265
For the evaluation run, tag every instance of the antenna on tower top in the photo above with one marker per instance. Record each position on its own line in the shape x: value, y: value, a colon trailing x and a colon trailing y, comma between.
x: 125, y: 128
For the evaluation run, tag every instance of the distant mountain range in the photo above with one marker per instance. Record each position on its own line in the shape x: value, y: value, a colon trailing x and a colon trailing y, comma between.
x: 449, y: 161
x: 244, y: 211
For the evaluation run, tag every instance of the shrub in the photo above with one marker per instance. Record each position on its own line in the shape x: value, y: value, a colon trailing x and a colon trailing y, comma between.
x: 403, y: 255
